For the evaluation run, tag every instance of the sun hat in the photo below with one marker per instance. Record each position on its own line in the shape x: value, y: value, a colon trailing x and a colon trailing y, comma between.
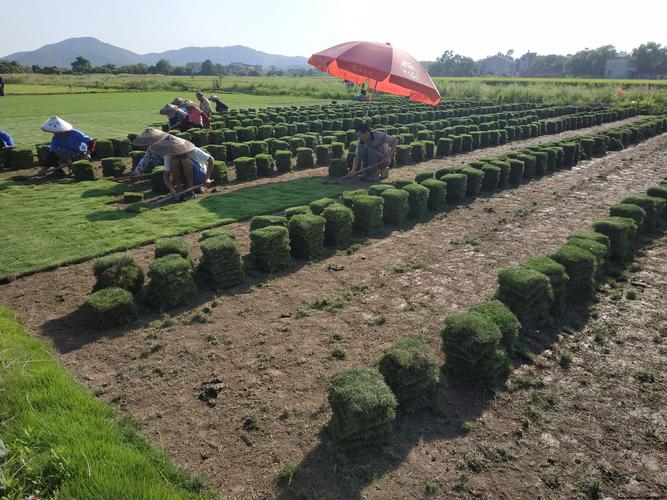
x: 188, y: 103
x: 170, y: 145
x: 214, y: 97
x: 148, y: 137
x: 177, y: 101
x: 198, y: 94
x: 168, y: 108
x: 56, y: 125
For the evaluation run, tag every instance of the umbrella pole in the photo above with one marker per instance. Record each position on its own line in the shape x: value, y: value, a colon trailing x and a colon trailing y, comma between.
x: 370, y: 100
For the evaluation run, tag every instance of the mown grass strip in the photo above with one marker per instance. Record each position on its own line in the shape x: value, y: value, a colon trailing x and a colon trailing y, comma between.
x: 49, y: 225
x: 64, y: 443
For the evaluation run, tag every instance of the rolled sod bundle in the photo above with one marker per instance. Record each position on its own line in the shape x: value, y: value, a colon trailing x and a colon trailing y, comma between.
x: 444, y: 147
x: 456, y: 144
x: 363, y: 408
x: 367, y: 211
x: 557, y: 277
x: 377, y: 189
x: 515, y: 173
x: 270, y: 247
x: 220, y: 174
x: 265, y: 165
x: 258, y: 148
x: 503, y: 176
x: 528, y: 165
x: 216, y: 137
x: 318, y: 206
x: 349, y: 196
x: 505, y: 320
x: 653, y: 206
x: 171, y: 282
x: 592, y: 235
x: 337, y: 167
x: 136, y: 157
x: 338, y: 227
x: 103, y: 149
x: 221, y: 262
x: 456, y: 186
x: 466, y: 143
x: 541, y: 161
x: 473, y: 353
x: 306, y: 234
x: 430, y: 149
x: 260, y: 221
x: 82, y: 170
x: 417, y: 200
x: 283, y: 160
x: 437, y: 193
x: 527, y: 293
x: 491, y: 177
x: 175, y: 245
x: 305, y: 158
x: 600, y: 145
x: 323, y: 154
x: 634, y: 212
x: 113, y: 167
x: 474, y: 181
x: 218, y: 231
x: 403, y: 154
x: 110, y: 307
x: 411, y: 371
x: 587, y: 144
x: 570, y: 154
x: 599, y: 251
x: 298, y: 210
x: 118, y: 270
x: 417, y: 151
x: 337, y: 149
x: 659, y: 191
x: 401, y: 183
x: 246, y: 134
x: 621, y: 232
x: 396, y: 206
x: 246, y: 168
x: 422, y: 176
x: 121, y: 147
x: 157, y: 181
x: 217, y: 151
x: 199, y: 138
x: 580, y: 266
x: 230, y: 135
x: 239, y: 150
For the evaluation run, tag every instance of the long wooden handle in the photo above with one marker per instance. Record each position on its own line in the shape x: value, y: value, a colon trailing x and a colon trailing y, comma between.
x: 172, y: 196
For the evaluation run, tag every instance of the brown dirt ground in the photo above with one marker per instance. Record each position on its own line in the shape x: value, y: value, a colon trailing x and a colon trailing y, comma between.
x: 602, y: 420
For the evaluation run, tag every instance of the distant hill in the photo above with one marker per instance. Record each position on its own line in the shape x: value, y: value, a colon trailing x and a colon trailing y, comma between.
x: 99, y: 53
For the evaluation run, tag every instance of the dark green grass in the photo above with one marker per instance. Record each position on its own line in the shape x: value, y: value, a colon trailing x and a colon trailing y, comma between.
x: 62, y: 442
x: 48, y: 225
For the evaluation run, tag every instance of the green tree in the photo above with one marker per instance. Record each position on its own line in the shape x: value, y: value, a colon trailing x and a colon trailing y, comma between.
x: 590, y: 62
x: 650, y: 60
x: 551, y: 65
x: 207, y: 68
x: 450, y: 64
x: 81, y: 65
x: 163, y: 67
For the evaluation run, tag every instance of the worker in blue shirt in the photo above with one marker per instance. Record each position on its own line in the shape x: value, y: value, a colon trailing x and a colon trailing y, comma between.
x: 67, y: 145
x: 5, y: 139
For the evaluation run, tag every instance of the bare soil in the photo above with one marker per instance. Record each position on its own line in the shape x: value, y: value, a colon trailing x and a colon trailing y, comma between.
x: 599, y: 425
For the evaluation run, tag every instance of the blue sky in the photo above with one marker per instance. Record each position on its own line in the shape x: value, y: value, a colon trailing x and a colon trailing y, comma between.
x: 424, y: 28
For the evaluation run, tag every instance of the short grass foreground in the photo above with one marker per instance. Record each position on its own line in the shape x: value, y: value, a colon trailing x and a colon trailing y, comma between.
x: 60, y: 442
x: 49, y: 225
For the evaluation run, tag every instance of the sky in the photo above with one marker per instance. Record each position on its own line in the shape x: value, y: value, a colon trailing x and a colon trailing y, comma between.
x: 424, y: 28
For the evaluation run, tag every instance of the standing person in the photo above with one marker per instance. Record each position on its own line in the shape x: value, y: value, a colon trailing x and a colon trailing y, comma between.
x: 6, y: 140
x: 186, y: 164
x: 375, y: 149
x: 220, y: 107
x: 2, y: 86
x: 176, y: 117
x: 67, y: 145
x: 204, y: 104
x: 150, y: 159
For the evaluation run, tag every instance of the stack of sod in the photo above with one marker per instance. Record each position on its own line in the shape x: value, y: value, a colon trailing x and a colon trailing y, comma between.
x: 283, y: 160
x: 503, y: 175
x: 260, y: 221
x: 570, y: 154
x: 528, y: 165
x: 515, y: 173
x: 270, y: 248
x: 417, y: 200
x: 367, y: 211
x: 318, y: 206
x: 113, y: 167
x: 349, y: 196
x: 171, y: 282
x: 118, y: 271
x: 323, y: 154
x: 218, y: 231
x: 337, y: 167
x: 621, y: 232
x: 218, y: 152
x: 175, y: 245
x: 136, y: 157
x: 430, y: 149
x: 411, y: 371
x: 444, y: 147
x: 157, y: 181
x: 527, y: 293
x: 110, y: 307
x: 580, y: 266
x: 221, y: 262
x: 377, y: 189
x: 422, y: 176
x: 403, y: 154
x: 220, y: 172
x: 417, y: 151
x: 338, y: 227
x: 42, y: 153
x: 437, y: 193
x: 541, y: 160
x: 591, y: 235
x: 471, y: 344
x: 265, y: 165
x: 83, y: 170
x: 653, y: 207
x: 121, y: 147
x: 629, y: 210
x: 505, y: 320
x: 306, y: 235
x: 456, y: 186
x: 557, y: 277
x: 337, y: 150
x: 491, y: 177
x: 659, y: 192
x: 363, y: 408
x: 396, y: 206
x: 304, y: 158
x: 258, y: 148
x: 298, y: 210
x: 103, y: 149
x: 401, y: 183
x: 246, y: 168
x: 599, y: 250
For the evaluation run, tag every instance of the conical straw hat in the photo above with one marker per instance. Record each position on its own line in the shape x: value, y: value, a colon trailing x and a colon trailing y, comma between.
x: 171, y: 145
x: 167, y: 108
x: 56, y: 125
x: 177, y: 101
x: 148, y: 137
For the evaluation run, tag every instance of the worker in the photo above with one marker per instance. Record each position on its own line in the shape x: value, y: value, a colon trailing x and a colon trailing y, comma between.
x: 67, y: 145
x: 375, y: 150
x: 2, y: 86
x: 196, y: 117
x: 150, y: 159
x: 204, y: 104
x: 186, y: 164
x: 220, y: 107
x: 176, y: 117
x: 6, y: 139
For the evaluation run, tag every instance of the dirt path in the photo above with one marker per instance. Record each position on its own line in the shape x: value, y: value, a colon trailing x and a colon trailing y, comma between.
x: 273, y: 362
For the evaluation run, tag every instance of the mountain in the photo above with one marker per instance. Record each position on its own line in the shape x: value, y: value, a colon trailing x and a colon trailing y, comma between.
x: 99, y: 53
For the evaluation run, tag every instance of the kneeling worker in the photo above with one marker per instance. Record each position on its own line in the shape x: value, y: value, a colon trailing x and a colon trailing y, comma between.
x: 375, y: 150
x: 188, y: 165
x: 150, y: 159
x: 6, y: 140
x: 67, y: 145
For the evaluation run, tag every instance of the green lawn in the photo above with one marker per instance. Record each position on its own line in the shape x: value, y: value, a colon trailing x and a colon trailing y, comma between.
x: 52, y: 224
x: 62, y: 442
x: 106, y: 115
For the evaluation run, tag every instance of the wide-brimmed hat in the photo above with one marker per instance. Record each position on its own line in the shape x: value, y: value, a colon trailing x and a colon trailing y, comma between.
x: 170, y: 145
x: 188, y: 103
x: 167, y: 109
x: 56, y: 125
x: 177, y: 101
x: 199, y: 94
x: 149, y: 137
x: 214, y: 97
